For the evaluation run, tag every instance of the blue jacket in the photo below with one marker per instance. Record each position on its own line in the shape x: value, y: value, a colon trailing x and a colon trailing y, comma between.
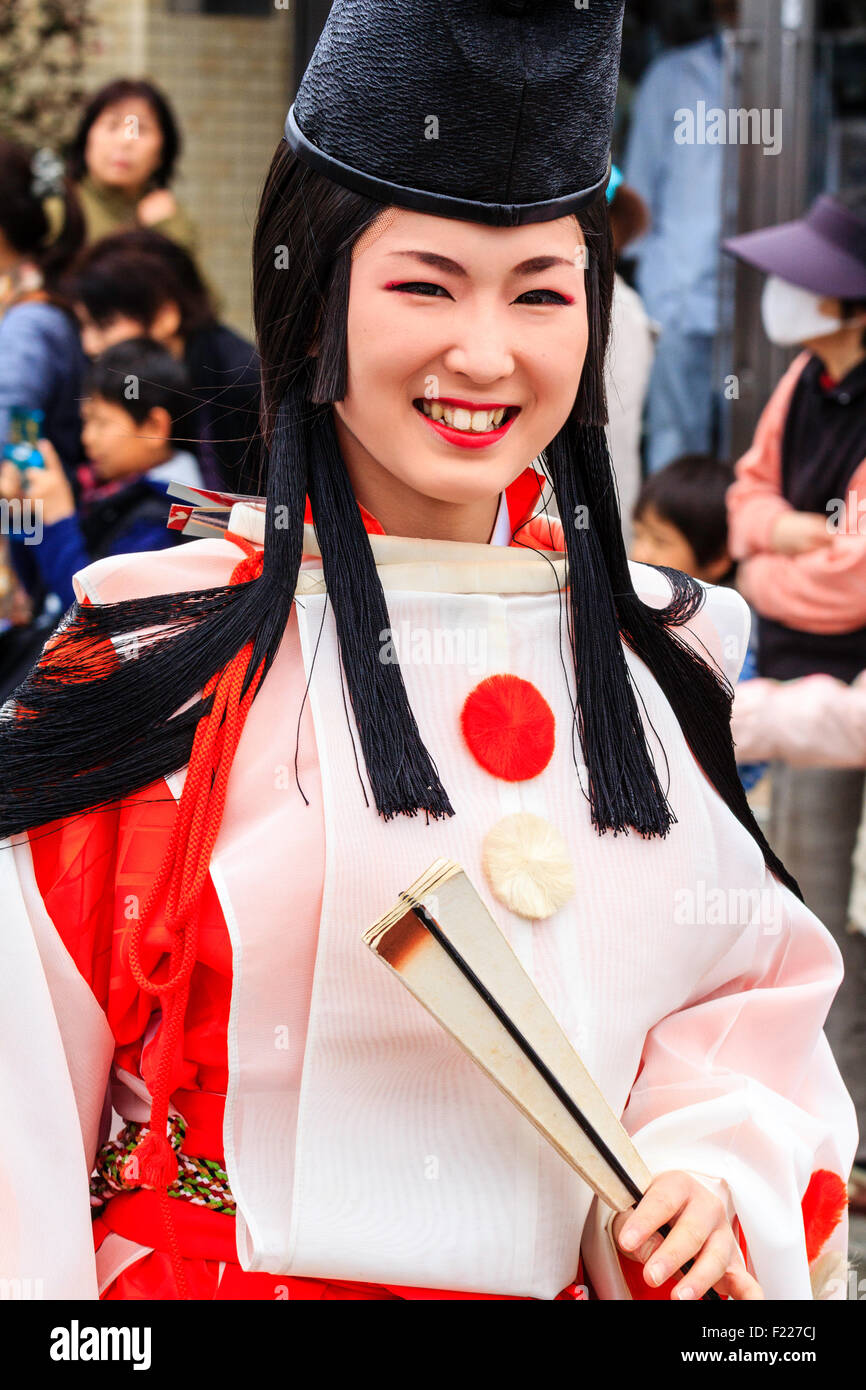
x: 130, y: 520
x: 41, y: 368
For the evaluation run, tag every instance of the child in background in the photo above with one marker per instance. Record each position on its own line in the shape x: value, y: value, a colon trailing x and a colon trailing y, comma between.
x: 680, y: 520
x: 136, y: 392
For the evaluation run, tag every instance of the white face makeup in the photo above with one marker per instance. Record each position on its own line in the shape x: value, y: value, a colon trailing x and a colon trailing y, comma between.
x: 465, y: 349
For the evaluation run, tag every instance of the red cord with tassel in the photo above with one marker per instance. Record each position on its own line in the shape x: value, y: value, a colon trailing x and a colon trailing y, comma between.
x: 184, y: 868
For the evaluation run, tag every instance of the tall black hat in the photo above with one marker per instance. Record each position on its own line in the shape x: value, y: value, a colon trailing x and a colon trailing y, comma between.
x: 496, y: 111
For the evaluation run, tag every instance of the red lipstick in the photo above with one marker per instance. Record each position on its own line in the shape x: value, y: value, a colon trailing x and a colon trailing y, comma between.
x: 466, y: 439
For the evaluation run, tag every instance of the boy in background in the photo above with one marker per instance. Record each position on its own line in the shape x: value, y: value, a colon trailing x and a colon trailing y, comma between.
x: 679, y: 519
x: 136, y: 392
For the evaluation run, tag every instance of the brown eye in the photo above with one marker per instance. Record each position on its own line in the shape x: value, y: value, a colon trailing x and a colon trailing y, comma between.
x: 556, y: 297
x: 420, y: 287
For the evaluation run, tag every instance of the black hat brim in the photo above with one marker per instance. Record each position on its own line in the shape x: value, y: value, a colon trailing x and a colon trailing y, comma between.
x: 439, y: 204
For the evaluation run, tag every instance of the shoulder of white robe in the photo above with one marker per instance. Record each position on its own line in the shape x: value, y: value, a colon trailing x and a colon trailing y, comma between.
x: 726, y: 609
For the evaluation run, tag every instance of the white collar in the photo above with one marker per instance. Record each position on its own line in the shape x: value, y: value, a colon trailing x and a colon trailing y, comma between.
x: 182, y: 467
x: 502, y: 528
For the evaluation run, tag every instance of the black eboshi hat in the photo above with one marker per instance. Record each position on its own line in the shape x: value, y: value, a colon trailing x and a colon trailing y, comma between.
x: 496, y: 111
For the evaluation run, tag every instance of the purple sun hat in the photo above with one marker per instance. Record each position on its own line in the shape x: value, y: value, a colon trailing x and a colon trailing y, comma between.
x: 824, y: 252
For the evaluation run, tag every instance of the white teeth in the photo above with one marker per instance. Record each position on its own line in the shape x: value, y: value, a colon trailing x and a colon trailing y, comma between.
x: 474, y: 421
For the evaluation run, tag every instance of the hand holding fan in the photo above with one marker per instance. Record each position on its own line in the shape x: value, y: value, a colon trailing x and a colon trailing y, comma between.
x: 442, y: 943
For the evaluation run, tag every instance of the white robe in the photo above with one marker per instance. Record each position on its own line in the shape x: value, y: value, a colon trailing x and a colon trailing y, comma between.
x: 364, y: 1144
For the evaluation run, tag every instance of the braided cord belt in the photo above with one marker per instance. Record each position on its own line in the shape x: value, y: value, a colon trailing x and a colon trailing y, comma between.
x: 200, y: 1180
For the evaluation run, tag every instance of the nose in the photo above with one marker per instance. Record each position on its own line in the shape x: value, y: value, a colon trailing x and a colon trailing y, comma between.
x: 480, y: 348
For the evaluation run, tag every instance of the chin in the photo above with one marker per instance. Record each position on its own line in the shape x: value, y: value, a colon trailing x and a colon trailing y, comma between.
x: 462, y: 484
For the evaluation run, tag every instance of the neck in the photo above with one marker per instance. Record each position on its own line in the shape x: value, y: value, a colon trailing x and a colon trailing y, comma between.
x: 159, y: 456
x: 175, y: 344
x: 839, y: 357
x: 115, y: 190
x: 404, y: 512
x: 19, y: 277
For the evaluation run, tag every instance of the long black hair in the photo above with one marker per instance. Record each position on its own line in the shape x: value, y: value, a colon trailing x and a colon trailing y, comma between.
x: 91, y: 726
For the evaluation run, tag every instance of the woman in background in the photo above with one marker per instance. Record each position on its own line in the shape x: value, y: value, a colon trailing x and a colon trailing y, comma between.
x: 796, y: 516
x: 123, y: 160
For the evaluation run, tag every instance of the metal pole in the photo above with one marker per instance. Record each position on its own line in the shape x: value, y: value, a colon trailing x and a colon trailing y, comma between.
x: 771, y: 63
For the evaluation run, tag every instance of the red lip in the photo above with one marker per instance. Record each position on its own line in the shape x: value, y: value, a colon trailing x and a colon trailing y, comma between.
x: 463, y: 438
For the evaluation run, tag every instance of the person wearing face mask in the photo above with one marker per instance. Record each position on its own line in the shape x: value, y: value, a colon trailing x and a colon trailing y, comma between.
x: 797, y: 524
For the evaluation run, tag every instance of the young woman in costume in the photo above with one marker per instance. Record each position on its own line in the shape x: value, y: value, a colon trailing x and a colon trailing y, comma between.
x: 236, y: 754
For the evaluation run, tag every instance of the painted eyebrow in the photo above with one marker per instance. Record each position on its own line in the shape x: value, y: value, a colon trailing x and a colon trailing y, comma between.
x: 529, y: 267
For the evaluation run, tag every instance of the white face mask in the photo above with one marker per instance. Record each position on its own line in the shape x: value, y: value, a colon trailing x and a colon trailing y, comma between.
x: 790, y: 314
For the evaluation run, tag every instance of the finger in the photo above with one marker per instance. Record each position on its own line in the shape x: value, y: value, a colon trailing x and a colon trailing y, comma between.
x: 740, y: 1284
x: 709, y: 1267
x: 700, y: 1219
x: 10, y: 480
x: 665, y: 1196
x: 36, y: 480
x: 49, y: 454
x: 649, y: 1247
x: 642, y: 1253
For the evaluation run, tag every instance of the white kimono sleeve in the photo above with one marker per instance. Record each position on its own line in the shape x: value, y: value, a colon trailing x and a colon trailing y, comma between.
x: 56, y: 1048
x: 740, y: 1088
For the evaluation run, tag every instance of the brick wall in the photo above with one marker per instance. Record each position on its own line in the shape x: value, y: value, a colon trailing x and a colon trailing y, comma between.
x: 229, y: 81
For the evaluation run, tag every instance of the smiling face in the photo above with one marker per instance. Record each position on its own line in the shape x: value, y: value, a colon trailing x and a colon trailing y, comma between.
x: 465, y: 349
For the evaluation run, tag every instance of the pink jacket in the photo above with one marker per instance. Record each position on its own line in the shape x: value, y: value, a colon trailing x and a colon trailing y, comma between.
x: 821, y: 591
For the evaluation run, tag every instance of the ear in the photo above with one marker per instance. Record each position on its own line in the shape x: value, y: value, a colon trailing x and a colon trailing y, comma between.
x: 166, y: 322
x: 716, y: 568
x: 157, y: 425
